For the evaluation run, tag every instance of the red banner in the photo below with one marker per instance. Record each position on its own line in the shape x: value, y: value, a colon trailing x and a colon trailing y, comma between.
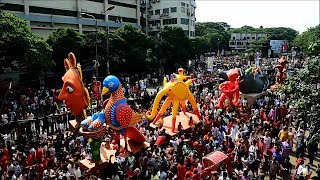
x: 96, y: 89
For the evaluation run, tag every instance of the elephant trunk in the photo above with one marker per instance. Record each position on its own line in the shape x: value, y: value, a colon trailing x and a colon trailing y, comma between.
x: 151, y: 115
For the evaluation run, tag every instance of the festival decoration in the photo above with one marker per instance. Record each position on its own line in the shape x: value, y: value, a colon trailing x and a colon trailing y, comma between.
x: 253, y: 81
x: 73, y: 92
x: 281, y: 73
x: 230, y: 90
x: 282, y: 69
x: 117, y: 114
x: 177, y: 93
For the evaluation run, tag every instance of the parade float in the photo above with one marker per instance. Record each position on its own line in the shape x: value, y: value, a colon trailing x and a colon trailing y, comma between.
x: 177, y: 92
x: 119, y: 116
x: 251, y: 85
x: 281, y: 73
x: 116, y: 114
x: 229, y: 90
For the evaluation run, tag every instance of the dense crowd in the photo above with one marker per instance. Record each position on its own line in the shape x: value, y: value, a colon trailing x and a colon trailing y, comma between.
x: 258, y: 138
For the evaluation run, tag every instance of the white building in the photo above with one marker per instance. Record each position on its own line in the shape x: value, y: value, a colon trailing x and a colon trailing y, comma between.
x: 43, y: 16
x: 169, y: 13
x: 240, y: 41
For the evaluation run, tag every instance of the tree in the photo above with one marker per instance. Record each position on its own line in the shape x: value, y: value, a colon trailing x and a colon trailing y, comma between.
x: 200, y: 45
x: 303, y: 90
x: 129, y: 48
x: 309, y: 41
x: 259, y: 45
x: 20, y: 49
x: 173, y: 48
x: 63, y: 41
x: 281, y: 33
x: 216, y: 33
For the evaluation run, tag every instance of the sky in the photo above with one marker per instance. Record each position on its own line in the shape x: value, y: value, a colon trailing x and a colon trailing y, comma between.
x: 299, y: 15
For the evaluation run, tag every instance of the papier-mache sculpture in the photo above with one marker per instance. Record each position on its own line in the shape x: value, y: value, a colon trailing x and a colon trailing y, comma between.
x: 177, y: 93
x: 117, y: 114
x: 73, y: 92
x: 230, y: 90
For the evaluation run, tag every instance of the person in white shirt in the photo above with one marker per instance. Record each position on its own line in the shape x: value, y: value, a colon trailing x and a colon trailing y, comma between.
x: 4, y: 118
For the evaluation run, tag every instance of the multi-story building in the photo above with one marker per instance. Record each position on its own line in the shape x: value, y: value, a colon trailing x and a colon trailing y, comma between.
x: 161, y: 13
x: 240, y: 41
x: 43, y: 16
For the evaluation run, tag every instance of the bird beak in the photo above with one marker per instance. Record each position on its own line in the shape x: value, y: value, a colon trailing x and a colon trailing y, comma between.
x: 104, y: 91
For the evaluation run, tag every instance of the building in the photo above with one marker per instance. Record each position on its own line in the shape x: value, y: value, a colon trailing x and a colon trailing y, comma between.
x: 240, y: 41
x: 43, y: 16
x: 161, y: 13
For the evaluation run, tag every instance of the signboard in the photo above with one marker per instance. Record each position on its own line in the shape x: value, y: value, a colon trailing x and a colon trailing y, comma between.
x: 279, y: 46
x: 96, y: 89
x: 210, y: 64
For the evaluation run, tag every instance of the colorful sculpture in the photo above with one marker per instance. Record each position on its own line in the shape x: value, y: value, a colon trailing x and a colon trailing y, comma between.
x: 117, y: 114
x: 282, y: 69
x: 253, y: 80
x: 230, y: 89
x: 177, y: 92
x: 73, y: 92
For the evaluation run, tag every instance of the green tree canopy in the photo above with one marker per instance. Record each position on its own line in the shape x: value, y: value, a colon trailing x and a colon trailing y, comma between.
x: 303, y: 90
x: 18, y: 44
x: 173, y: 48
x: 63, y: 41
x: 129, y: 48
x: 216, y: 33
x: 309, y: 41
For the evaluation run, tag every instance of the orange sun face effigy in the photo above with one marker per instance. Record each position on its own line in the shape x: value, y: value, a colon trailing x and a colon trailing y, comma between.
x: 73, y: 91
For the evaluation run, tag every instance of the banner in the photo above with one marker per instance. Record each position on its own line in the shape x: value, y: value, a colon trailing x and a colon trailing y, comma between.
x: 96, y: 89
x: 210, y: 64
x: 279, y: 46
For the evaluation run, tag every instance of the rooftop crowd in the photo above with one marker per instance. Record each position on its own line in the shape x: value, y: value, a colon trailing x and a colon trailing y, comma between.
x: 260, y: 140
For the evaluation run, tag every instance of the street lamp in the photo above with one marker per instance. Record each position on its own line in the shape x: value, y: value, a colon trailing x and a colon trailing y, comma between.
x: 96, y: 64
x: 102, y: 12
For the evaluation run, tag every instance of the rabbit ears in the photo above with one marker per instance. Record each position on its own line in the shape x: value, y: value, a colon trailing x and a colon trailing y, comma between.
x: 71, y: 62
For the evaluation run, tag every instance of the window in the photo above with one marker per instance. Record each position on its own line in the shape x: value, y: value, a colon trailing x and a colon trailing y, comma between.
x: 183, y: 4
x: 183, y: 9
x: 12, y: 7
x: 184, y: 21
x: 151, y: 22
x: 150, y: 13
x: 100, y: 1
x: 157, y: 12
x: 173, y: 9
x: 129, y: 20
x: 166, y: 10
x: 192, y: 33
x: 42, y: 10
x: 233, y: 38
x: 170, y: 21
x: 186, y: 32
x: 253, y: 37
x: 122, y: 4
x: 248, y: 37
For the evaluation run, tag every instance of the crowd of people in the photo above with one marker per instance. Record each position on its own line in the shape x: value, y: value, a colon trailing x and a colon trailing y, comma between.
x: 259, y: 139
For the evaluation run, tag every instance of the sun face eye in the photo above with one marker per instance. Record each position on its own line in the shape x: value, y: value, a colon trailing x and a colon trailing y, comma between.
x: 69, y: 89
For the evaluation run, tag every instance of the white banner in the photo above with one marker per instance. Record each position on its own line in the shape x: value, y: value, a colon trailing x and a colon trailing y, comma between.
x: 210, y: 63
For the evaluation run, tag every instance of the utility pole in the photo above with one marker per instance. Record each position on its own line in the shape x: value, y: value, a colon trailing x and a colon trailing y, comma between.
x: 107, y: 38
x: 147, y: 12
x: 96, y: 62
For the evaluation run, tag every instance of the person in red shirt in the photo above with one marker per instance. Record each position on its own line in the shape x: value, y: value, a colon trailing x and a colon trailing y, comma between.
x: 181, y: 171
x: 189, y: 173
x: 3, y: 162
x: 197, y: 174
x: 29, y: 160
x: 39, y: 154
